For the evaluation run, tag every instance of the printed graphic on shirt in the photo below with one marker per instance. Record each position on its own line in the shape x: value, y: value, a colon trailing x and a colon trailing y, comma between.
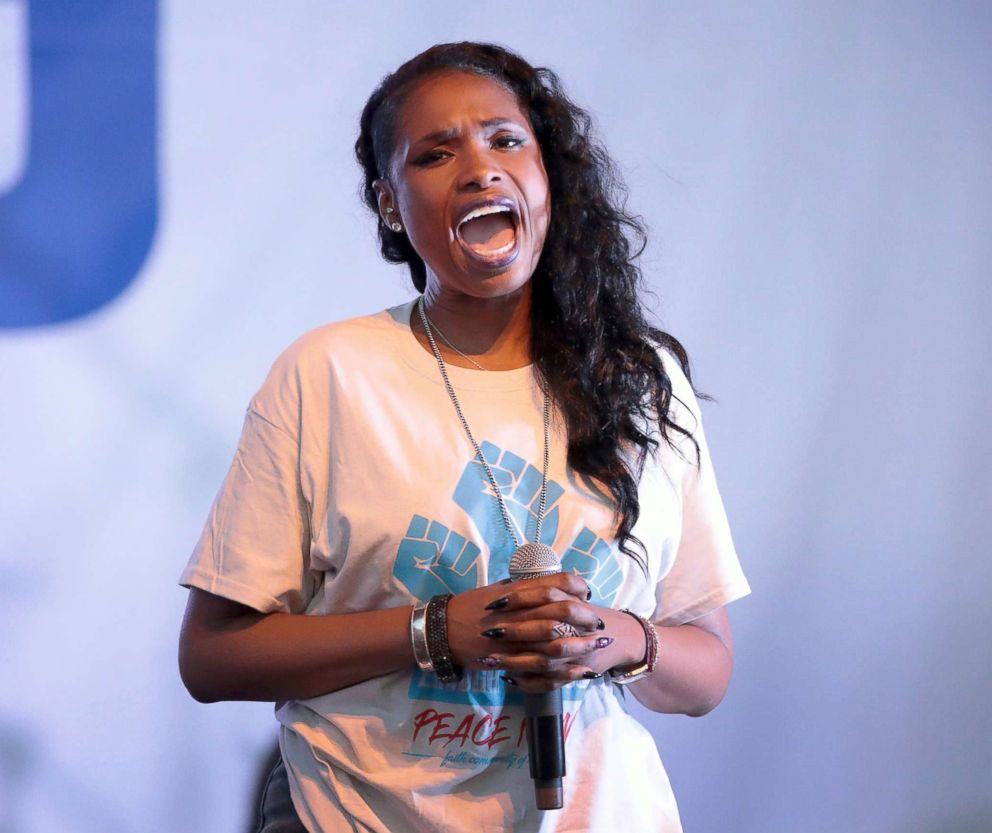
x: 593, y: 559
x: 467, y: 739
x: 434, y: 559
x: 520, y: 486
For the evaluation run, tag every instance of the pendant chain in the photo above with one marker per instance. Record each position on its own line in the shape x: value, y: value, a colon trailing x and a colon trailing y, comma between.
x: 478, y: 450
x: 447, y: 341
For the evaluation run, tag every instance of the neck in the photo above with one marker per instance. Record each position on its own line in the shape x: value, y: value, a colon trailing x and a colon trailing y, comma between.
x: 494, y: 331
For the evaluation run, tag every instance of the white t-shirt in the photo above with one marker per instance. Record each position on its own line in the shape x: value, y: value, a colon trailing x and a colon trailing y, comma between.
x: 354, y: 488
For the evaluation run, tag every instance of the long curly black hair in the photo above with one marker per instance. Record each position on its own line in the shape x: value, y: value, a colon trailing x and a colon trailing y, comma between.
x: 593, y: 347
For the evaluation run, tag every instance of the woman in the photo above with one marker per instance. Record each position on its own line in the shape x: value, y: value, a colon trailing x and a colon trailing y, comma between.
x: 353, y: 568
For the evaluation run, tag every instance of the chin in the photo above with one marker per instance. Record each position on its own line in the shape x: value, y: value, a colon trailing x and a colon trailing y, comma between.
x: 498, y: 284
x: 492, y: 281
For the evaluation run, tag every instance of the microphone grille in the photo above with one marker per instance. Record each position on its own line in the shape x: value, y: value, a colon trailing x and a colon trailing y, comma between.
x: 534, y: 560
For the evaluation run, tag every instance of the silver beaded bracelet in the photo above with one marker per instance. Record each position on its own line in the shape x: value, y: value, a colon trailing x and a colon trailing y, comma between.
x: 437, y: 640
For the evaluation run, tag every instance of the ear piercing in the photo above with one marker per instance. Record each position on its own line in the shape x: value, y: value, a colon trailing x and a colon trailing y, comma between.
x: 395, y: 225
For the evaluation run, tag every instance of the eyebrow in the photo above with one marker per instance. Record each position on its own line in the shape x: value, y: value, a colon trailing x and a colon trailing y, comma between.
x: 439, y: 136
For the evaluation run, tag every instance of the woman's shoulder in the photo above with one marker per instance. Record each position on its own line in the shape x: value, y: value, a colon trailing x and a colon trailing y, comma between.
x: 319, y: 359
x: 361, y: 336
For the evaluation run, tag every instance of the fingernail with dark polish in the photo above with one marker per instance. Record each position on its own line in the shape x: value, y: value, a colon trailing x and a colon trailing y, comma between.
x: 490, y: 662
x: 507, y: 680
x: 498, y: 603
x: 600, y: 625
x: 591, y: 675
x: 497, y: 633
x: 603, y: 641
x: 588, y: 593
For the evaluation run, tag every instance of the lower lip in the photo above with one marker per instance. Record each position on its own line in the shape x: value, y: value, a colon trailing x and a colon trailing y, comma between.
x: 493, y: 262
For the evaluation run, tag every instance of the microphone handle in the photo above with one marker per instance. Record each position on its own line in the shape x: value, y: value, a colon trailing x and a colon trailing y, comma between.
x: 546, y: 747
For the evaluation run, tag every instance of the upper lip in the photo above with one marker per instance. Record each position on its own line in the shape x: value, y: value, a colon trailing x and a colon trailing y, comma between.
x: 484, y: 202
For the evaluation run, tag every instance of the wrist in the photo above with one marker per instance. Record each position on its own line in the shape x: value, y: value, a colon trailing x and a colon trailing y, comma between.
x: 625, y: 674
x: 441, y: 659
x: 629, y: 642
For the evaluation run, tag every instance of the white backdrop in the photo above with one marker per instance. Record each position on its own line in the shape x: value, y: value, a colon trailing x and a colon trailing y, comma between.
x: 817, y: 181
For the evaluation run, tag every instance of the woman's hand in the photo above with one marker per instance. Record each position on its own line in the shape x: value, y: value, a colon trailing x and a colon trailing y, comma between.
x: 542, y: 633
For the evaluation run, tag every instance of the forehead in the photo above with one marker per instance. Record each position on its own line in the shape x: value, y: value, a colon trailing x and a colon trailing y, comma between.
x: 453, y: 100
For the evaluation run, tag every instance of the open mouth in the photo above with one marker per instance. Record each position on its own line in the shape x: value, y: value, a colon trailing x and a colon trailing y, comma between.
x: 489, y: 234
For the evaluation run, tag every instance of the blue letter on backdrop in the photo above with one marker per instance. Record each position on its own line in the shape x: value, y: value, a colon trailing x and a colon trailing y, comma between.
x: 76, y: 229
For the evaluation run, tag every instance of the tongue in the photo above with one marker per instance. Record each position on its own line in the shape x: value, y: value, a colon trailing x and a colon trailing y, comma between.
x: 488, y: 233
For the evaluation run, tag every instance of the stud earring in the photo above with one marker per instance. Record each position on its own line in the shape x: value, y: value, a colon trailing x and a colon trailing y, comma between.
x: 395, y: 226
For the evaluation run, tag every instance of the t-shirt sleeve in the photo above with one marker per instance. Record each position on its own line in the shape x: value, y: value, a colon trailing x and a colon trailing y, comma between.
x: 255, y: 546
x: 706, y: 573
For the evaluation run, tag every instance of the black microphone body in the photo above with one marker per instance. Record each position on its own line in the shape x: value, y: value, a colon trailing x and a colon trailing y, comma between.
x: 546, y: 747
x: 545, y: 727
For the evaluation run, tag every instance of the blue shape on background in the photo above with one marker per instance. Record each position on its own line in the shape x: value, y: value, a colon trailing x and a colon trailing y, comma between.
x: 76, y: 229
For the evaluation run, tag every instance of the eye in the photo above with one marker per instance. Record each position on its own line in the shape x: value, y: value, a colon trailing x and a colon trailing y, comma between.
x: 507, y: 141
x: 432, y: 157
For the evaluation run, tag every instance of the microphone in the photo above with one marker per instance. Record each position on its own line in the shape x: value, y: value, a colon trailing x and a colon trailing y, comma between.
x: 545, y: 732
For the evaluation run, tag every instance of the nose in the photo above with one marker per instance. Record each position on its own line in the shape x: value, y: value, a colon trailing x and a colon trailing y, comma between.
x: 480, y: 169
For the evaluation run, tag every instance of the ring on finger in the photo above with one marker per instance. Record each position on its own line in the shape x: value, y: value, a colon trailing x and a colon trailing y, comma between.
x: 563, y: 629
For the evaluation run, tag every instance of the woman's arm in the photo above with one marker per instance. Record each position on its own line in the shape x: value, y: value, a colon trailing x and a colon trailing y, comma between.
x: 694, y: 665
x: 228, y: 651
x: 690, y: 677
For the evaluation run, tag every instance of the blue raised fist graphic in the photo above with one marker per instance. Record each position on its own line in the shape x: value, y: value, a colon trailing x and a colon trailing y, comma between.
x: 594, y: 560
x: 520, y: 485
x: 432, y: 559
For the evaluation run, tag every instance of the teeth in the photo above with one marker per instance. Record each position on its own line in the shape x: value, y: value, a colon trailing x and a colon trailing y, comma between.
x: 483, y: 211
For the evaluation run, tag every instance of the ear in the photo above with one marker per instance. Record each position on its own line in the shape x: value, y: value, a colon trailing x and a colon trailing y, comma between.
x: 387, y: 202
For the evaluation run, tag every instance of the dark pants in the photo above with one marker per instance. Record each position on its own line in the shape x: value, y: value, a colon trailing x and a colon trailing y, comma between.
x: 276, y: 813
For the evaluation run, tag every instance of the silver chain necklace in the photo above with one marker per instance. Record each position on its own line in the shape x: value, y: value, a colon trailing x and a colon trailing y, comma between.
x: 531, y: 549
x: 447, y: 341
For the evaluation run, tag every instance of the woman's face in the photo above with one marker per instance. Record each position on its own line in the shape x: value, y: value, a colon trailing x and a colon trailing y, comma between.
x: 468, y: 183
